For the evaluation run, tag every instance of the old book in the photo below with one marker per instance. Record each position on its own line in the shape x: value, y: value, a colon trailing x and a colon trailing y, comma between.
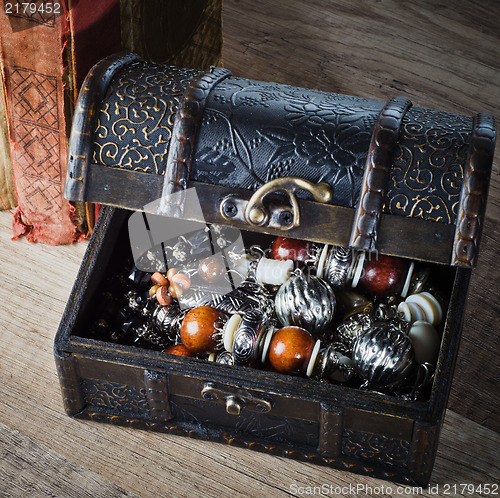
x: 46, y: 55
x: 7, y: 189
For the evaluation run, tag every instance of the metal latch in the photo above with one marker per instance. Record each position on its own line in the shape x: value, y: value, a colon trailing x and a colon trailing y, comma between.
x: 235, y: 401
x: 282, y: 216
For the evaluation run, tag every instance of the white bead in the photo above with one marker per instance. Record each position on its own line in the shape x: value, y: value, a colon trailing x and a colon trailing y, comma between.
x: 426, y: 341
x: 430, y: 305
x: 411, y: 311
x: 267, y: 342
x: 229, y: 330
x: 406, y: 286
x: 322, y: 259
x: 312, y: 360
x: 358, y: 271
x: 273, y: 271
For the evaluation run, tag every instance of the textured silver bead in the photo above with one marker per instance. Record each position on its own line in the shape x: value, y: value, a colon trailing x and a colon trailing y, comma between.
x: 356, y: 325
x: 337, y: 265
x: 248, y: 296
x: 333, y: 365
x: 248, y: 335
x: 166, y: 322
x: 383, y: 356
x: 225, y: 358
x: 307, y: 302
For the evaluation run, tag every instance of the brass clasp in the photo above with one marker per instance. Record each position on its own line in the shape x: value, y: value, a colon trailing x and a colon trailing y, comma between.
x: 257, y: 214
x: 235, y: 401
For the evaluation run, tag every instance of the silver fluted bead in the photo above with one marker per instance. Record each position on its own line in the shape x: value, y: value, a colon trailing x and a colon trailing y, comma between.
x: 383, y: 356
x: 307, y: 302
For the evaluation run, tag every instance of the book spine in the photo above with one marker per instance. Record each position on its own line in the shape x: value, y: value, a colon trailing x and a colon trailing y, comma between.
x: 8, y: 198
x: 32, y: 45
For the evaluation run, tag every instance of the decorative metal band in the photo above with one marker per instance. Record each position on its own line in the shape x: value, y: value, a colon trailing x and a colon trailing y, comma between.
x: 72, y: 394
x: 194, y: 431
x: 183, y: 141
x: 422, y: 452
x: 474, y: 191
x: 330, y: 432
x: 376, y: 175
x: 81, y: 142
x: 157, y: 395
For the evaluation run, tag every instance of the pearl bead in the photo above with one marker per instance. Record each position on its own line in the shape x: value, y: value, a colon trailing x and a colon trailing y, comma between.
x: 290, y: 349
x: 425, y: 341
x: 211, y: 269
x: 383, y: 276
x: 198, y: 329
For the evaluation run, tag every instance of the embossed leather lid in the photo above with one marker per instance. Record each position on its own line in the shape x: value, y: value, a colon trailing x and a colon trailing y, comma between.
x: 402, y: 176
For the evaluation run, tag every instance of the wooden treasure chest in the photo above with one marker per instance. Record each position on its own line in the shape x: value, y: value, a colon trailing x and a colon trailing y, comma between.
x: 276, y: 268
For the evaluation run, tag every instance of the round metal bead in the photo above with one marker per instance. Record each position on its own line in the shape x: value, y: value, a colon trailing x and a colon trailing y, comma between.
x: 307, y: 302
x: 383, y: 356
x: 225, y: 358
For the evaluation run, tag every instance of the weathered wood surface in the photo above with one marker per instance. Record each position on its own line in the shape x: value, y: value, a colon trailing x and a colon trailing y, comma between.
x: 439, y: 55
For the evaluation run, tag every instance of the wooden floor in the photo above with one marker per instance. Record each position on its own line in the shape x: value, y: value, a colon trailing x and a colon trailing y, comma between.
x: 440, y: 56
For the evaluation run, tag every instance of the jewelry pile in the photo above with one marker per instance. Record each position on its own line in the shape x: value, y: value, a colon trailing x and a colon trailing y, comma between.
x: 359, y: 319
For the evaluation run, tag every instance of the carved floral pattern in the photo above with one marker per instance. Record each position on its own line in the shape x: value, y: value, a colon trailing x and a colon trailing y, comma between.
x: 375, y: 448
x: 429, y: 164
x: 136, y: 118
x: 115, y: 396
x: 254, y: 132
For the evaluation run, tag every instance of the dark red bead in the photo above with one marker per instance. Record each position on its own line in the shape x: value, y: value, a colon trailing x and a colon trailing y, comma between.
x: 290, y: 349
x: 294, y: 249
x: 383, y: 276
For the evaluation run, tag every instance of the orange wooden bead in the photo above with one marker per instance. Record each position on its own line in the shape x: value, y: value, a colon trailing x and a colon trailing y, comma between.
x: 175, y: 291
x: 198, y: 328
x: 159, y: 279
x: 182, y: 280
x: 179, y: 350
x: 171, y: 273
x: 162, y: 296
x: 153, y: 289
x: 290, y: 349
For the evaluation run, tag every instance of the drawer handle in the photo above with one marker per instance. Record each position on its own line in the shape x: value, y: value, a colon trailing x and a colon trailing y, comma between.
x: 258, y: 215
x: 236, y: 401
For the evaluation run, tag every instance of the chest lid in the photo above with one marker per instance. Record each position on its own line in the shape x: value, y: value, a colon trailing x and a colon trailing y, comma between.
x: 387, y: 177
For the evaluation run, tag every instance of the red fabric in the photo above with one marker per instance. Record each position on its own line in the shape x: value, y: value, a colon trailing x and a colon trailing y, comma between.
x: 95, y: 27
